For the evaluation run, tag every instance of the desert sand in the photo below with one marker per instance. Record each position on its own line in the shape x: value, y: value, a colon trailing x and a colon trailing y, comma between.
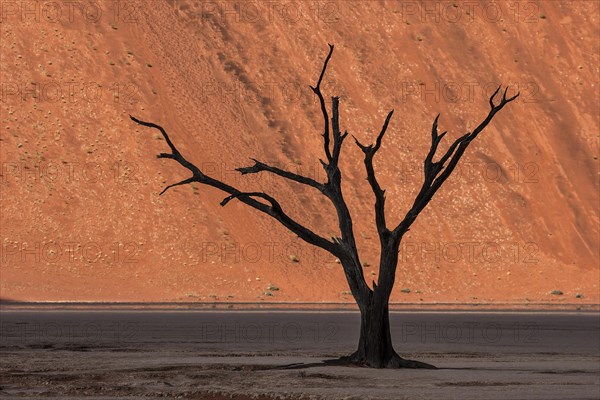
x: 81, y: 219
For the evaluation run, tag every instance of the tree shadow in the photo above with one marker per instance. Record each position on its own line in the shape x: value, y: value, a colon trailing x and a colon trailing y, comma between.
x: 345, y: 362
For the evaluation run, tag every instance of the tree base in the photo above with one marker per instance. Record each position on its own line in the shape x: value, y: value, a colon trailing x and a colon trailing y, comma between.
x: 393, y: 362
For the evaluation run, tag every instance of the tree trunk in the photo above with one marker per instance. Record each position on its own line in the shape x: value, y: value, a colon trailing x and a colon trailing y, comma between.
x: 375, y: 347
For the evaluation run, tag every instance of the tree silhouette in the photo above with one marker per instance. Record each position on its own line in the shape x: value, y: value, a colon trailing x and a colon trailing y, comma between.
x: 375, y: 347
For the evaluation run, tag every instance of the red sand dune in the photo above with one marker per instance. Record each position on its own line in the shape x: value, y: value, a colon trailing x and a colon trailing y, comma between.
x: 82, y: 219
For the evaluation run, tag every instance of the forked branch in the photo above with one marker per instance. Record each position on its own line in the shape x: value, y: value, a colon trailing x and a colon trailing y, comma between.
x: 317, y: 90
x: 436, y: 173
x: 379, y: 193
x: 273, y: 208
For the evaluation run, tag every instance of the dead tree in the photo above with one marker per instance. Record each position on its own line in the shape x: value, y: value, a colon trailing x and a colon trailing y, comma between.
x: 375, y: 344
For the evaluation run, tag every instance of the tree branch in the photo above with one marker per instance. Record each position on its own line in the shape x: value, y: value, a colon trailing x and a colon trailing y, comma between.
x: 379, y: 193
x: 271, y: 200
x: 183, y: 182
x: 260, y: 167
x: 338, y: 138
x: 273, y: 208
x: 435, y: 172
x: 317, y: 90
x: 333, y: 190
x: 175, y: 154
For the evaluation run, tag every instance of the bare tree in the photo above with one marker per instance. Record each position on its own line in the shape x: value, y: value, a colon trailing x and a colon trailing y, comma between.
x: 375, y: 344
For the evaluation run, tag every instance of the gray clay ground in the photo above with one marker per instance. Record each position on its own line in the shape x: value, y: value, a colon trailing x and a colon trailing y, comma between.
x: 214, y: 355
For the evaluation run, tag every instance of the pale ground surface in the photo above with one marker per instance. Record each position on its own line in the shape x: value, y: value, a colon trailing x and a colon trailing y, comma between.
x: 208, y: 355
